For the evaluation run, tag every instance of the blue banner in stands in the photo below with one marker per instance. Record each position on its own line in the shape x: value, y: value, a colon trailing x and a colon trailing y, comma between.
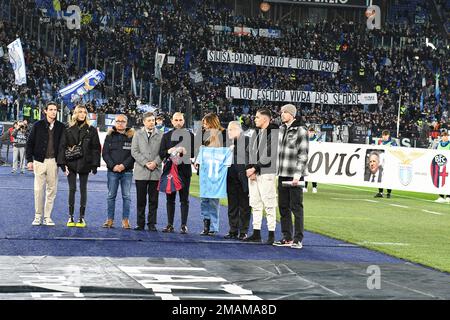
x: 75, y: 91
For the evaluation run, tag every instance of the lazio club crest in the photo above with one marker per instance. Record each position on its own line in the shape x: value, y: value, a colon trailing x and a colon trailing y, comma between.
x: 405, y: 167
x: 438, y: 169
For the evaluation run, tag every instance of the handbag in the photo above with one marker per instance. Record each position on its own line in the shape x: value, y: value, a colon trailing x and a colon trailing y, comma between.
x: 74, y: 152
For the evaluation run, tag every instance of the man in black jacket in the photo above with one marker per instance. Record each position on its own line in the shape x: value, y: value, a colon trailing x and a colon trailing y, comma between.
x: 179, y: 140
x: 117, y: 155
x: 237, y: 184
x: 261, y: 172
x: 42, y: 152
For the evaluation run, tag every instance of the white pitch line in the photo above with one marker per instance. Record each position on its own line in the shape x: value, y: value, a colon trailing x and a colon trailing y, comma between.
x: 384, y: 243
x: 399, y: 206
x: 351, y: 199
x: 432, y: 212
x: 397, y: 195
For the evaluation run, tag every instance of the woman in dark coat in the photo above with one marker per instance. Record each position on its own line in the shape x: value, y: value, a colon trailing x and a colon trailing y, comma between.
x: 79, y: 133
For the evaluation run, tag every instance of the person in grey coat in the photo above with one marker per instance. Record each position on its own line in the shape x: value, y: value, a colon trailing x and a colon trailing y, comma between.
x: 147, y: 170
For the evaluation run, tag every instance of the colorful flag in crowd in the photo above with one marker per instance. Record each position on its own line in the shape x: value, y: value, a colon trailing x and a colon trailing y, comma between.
x: 75, y: 91
x: 17, y: 61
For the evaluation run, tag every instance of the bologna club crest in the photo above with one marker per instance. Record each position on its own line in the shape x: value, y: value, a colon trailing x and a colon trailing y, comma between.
x: 439, y: 172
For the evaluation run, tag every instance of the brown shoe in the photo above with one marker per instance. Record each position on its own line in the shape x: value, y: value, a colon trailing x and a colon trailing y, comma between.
x: 109, y: 223
x: 126, y: 224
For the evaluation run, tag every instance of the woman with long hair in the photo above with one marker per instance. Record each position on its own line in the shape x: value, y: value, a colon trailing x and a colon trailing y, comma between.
x: 79, y: 134
x: 213, y: 136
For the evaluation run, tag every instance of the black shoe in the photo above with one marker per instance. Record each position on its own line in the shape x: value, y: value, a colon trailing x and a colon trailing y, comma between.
x: 388, y: 196
x: 255, y: 237
x: 184, y: 229
x: 212, y: 233
x: 206, y: 225
x: 378, y: 195
x: 168, y: 229
x: 231, y: 236
x: 271, y: 238
x: 243, y: 236
x: 139, y: 228
x: 152, y: 228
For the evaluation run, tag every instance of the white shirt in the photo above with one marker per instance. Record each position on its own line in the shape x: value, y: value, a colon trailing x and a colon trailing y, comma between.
x: 372, y: 178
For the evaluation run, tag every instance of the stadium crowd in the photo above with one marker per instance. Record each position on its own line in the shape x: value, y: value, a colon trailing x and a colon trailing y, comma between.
x: 129, y: 34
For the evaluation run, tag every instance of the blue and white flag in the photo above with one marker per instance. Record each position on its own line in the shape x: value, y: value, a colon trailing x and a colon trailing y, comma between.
x: 75, y: 91
x: 421, y: 102
x: 437, y: 90
x: 18, y: 61
x: 146, y: 108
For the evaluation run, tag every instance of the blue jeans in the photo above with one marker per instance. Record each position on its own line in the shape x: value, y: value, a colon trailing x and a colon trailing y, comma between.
x: 125, y: 179
x: 210, y: 211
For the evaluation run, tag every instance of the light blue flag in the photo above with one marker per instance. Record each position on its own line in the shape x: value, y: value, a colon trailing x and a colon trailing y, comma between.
x: 437, y: 90
x: 214, y: 163
x: 421, y: 102
x: 75, y: 91
x: 17, y: 61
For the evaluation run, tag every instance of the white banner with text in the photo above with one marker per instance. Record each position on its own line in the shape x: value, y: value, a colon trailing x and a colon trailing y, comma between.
x: 301, y: 96
x: 272, y: 61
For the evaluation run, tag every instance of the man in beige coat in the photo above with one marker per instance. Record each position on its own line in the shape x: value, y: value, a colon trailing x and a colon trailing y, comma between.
x: 147, y: 170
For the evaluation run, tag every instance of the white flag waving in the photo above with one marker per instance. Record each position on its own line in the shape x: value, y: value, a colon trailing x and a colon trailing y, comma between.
x: 18, y: 62
x: 159, y: 61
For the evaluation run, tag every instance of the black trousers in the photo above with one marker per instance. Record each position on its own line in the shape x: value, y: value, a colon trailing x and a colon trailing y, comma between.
x: 290, y: 201
x: 184, y: 202
x: 380, y: 190
x: 146, y: 188
x: 314, y: 184
x: 72, y: 179
x: 239, y: 210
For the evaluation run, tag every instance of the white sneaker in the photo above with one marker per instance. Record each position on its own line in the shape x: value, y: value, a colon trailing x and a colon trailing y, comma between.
x: 314, y: 190
x: 37, y: 221
x: 297, y: 245
x: 305, y: 190
x: 48, y: 222
x: 440, y: 200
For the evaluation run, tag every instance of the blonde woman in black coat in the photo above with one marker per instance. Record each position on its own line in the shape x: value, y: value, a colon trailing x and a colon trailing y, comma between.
x: 80, y: 132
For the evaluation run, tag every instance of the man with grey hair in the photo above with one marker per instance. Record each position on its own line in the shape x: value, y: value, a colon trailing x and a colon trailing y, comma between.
x: 293, y: 147
x: 117, y: 155
x: 147, y: 170
x: 237, y: 184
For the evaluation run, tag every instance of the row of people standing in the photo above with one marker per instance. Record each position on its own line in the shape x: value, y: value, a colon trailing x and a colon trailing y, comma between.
x: 251, y: 181
x: 270, y: 152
